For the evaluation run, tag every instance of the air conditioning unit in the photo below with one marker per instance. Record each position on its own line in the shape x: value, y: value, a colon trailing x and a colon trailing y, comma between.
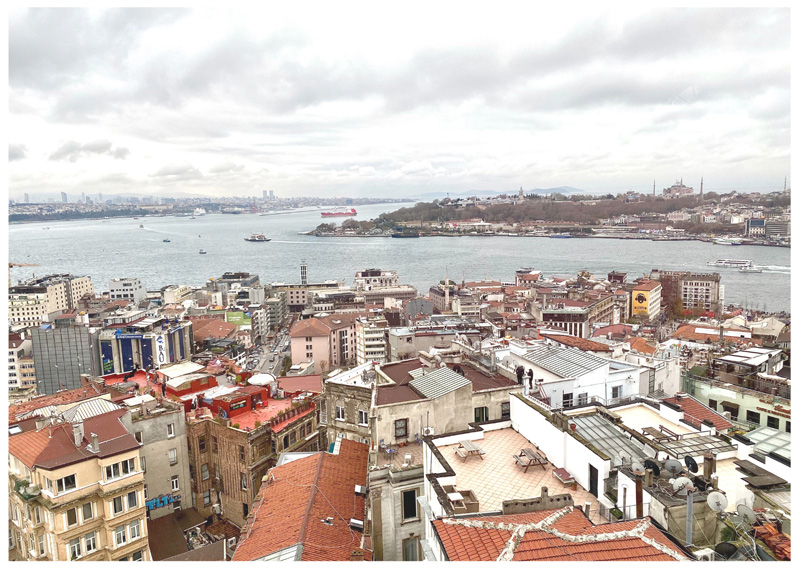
x: 726, y: 415
x: 409, y: 459
x: 705, y: 554
x: 357, y: 524
x: 427, y: 431
x: 361, y: 491
x: 216, y: 508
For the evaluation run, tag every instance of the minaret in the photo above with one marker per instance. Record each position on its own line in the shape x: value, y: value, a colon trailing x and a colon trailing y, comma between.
x: 446, y: 290
x: 654, y: 188
x: 701, y: 189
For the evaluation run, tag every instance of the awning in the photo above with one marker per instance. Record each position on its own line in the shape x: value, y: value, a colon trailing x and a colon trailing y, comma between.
x: 729, y: 405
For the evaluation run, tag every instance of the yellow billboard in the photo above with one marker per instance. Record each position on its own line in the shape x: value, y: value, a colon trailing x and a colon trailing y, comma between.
x: 641, y: 303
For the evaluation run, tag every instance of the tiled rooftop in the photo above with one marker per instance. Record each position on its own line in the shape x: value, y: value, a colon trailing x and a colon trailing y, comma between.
x: 694, y: 410
x: 498, y: 478
x: 553, y: 535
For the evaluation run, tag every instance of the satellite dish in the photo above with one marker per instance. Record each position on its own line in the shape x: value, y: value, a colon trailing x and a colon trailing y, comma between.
x: 746, y: 512
x: 637, y: 468
x: 650, y: 464
x: 717, y: 501
x: 624, y: 456
x: 222, y: 413
x: 673, y: 466
x: 691, y: 464
x: 682, y: 485
x: 725, y: 549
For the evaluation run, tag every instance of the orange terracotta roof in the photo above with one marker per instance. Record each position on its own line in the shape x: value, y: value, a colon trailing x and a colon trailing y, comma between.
x: 56, y: 399
x: 696, y: 411
x: 309, y: 490
x: 579, y: 342
x: 647, y: 285
x: 640, y: 344
x: 614, y: 329
x: 208, y: 328
x: 311, y: 327
x: 688, y: 333
x: 549, y: 536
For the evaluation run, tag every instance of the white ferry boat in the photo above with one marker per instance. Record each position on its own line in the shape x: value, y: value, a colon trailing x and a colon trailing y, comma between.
x: 731, y: 263
x: 199, y: 212
x: 257, y: 238
x: 722, y: 241
x: 751, y: 269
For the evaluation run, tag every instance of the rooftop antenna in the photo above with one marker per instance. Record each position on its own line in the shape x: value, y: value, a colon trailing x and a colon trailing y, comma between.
x: 654, y: 188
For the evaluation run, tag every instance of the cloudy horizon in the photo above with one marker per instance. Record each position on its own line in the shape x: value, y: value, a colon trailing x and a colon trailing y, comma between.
x: 234, y: 102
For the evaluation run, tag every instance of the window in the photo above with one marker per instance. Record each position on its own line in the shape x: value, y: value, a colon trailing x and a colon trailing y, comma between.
x: 119, y: 535
x: 401, y: 428
x: 173, y: 456
x: 712, y: 404
x: 66, y: 483
x: 245, y: 510
x: 37, y: 515
x: 174, y: 481
x: 411, y: 549
x: 481, y: 414
x: 204, y: 472
x: 214, y: 447
x: 566, y: 400
x: 75, y: 548
x: 135, y: 531
x: 137, y: 556
x: 241, y: 453
x: 116, y: 470
x: 410, y: 505
x: 88, y: 513
x: 128, y: 466
x: 91, y: 543
x: 207, y: 497
x: 362, y: 418
x: 201, y: 443
x: 505, y: 410
x: 244, y: 482
x: 41, y: 549
x: 138, y: 436
x: 170, y: 430
x: 753, y: 417
x: 616, y: 392
x: 131, y: 499
x: 116, y: 505
x: 788, y: 426
x: 145, y: 492
x: 340, y: 413
x: 72, y: 517
x: 773, y: 422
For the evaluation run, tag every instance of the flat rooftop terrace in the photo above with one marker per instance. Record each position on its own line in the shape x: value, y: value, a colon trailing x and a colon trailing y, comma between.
x: 498, y: 478
x: 641, y: 416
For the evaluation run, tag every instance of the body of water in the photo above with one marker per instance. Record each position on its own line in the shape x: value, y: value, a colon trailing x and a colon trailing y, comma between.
x: 112, y: 248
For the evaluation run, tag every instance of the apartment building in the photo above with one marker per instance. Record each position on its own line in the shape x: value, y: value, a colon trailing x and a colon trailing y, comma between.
x: 39, y: 300
x: 61, y: 354
x: 21, y: 373
x: 694, y: 290
x: 127, y: 289
x: 76, y: 491
x: 372, y: 339
x: 646, y: 300
x: 328, y: 341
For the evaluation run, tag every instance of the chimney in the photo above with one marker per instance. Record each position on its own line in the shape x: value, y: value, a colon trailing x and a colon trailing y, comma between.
x: 639, y: 504
x: 587, y: 506
x: 709, y: 465
x: 689, y: 516
x: 95, y: 443
x: 77, y: 433
x: 648, y: 478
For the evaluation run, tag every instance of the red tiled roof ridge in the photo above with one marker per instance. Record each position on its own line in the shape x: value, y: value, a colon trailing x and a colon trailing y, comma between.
x: 587, y: 534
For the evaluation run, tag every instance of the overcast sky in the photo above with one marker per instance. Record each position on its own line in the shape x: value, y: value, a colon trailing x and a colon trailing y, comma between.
x: 370, y: 102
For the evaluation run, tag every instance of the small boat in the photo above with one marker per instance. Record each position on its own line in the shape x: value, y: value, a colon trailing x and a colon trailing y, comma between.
x: 202, y: 251
x: 141, y: 226
x: 721, y: 241
x: 560, y: 236
x: 344, y: 212
x: 753, y: 269
x: 257, y: 238
x: 166, y: 241
x: 405, y: 235
x: 192, y: 217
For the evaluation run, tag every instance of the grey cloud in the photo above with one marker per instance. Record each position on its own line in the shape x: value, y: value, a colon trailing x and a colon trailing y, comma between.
x: 16, y: 152
x: 178, y: 172
x: 72, y: 150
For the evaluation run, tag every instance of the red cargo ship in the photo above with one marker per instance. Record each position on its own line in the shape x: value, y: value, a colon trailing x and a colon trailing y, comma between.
x: 340, y: 213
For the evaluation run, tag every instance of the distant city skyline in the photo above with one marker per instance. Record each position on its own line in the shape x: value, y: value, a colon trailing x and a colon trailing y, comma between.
x: 224, y: 103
